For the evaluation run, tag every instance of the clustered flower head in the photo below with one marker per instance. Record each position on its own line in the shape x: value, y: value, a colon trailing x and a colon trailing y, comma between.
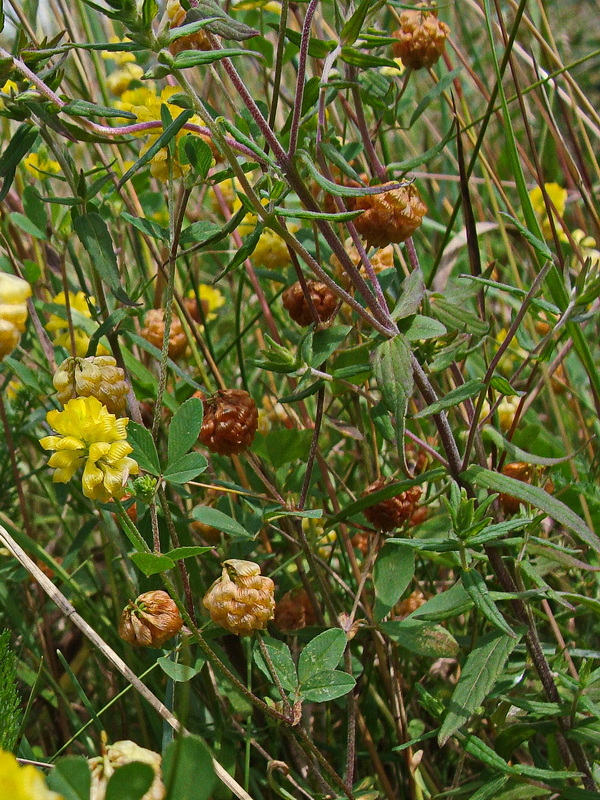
x: 558, y: 197
x: 96, y: 376
x: 14, y: 292
x: 89, y: 436
x: 117, y: 755
x: 40, y: 166
x: 22, y: 783
x: 150, y: 620
x: 211, y: 300
x: 421, y: 37
x: 389, y: 217
x: 241, y: 600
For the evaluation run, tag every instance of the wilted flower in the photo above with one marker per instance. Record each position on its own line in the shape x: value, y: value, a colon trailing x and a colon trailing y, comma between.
x: 22, y: 783
x: 96, y: 376
x: 241, y: 600
x: 14, y: 292
x: 91, y: 437
x: 389, y: 217
x: 150, y: 620
x: 117, y: 755
x: 230, y: 422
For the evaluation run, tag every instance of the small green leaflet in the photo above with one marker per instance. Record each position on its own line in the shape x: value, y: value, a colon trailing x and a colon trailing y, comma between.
x: 393, y: 373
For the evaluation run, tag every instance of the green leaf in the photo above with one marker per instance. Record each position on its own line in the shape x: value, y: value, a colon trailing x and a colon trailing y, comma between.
x: 357, y: 58
x: 451, y: 603
x: 393, y: 373
x: 217, y: 519
x: 326, y: 342
x: 351, y: 30
x: 200, y: 232
x: 413, y: 292
x: 477, y: 749
x: 198, y: 153
x: 421, y: 328
x: 82, y: 108
x: 337, y: 216
x: 516, y: 453
x: 393, y: 571
x: 317, y: 48
x: 185, y: 468
x: 484, y: 665
x: 322, y: 654
x: 537, y: 244
x: 326, y: 686
x: 453, y: 398
x: 491, y: 789
x: 187, y: 770
x: 439, y: 88
x: 477, y: 590
x: 223, y: 25
x: 130, y: 782
x: 184, y: 428
x: 196, y: 58
x: 152, y: 563
x: 283, y: 663
x: 23, y: 222
x: 95, y: 237
x: 422, y: 638
x: 186, y: 552
x: 536, y: 497
x: 144, y: 449
x: 147, y: 226
x: 412, y: 163
x: 21, y: 143
x: 457, y: 317
x: 180, y: 673
x: 245, y: 251
x: 285, y: 446
x: 71, y: 778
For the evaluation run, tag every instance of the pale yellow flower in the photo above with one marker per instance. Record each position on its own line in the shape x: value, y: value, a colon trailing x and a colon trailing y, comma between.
x: 119, y: 57
x: 60, y: 328
x: 558, y: 197
x: 93, y: 438
x: 506, y: 412
x: 587, y: 247
x: 264, y: 5
x: 22, y: 783
x: 14, y: 292
x: 41, y: 166
x: 120, y: 80
x: 394, y: 72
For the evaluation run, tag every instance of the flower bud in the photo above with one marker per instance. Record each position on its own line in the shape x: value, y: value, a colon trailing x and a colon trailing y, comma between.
x: 150, y: 620
x: 241, y: 600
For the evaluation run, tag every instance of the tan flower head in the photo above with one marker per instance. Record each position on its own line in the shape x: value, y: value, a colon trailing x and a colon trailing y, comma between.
x: 241, y: 600
x: 150, y: 620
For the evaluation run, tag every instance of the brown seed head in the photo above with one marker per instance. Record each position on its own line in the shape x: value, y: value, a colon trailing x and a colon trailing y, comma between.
x: 389, y: 217
x: 96, y: 376
x: 230, y: 422
x: 241, y: 600
x: 150, y: 620
x: 324, y: 301
x: 421, y: 37
x: 389, y: 514
x: 154, y: 331
x: 294, y: 611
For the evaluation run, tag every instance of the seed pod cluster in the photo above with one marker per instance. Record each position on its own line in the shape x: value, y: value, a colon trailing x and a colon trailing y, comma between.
x: 393, y: 512
x: 241, y: 600
x: 96, y: 376
x: 389, y: 217
x: 295, y: 303
x: 230, y: 422
x: 294, y: 611
x: 421, y: 37
x: 154, y: 331
x: 150, y: 620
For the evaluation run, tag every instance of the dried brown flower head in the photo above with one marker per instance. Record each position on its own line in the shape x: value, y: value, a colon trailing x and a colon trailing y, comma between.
x: 389, y: 514
x: 421, y: 37
x: 154, y: 331
x: 150, y: 620
x: 230, y: 422
x: 241, y: 600
x: 294, y: 611
x: 389, y: 217
x: 324, y: 301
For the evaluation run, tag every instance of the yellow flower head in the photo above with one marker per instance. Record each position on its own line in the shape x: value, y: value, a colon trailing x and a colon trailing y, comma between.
x: 587, y: 247
x: 119, y: 57
x: 211, y: 300
x: 22, y: 783
x: 60, y: 328
x: 14, y: 292
x: 558, y: 197
x: 9, y: 88
x: 41, y: 166
x: 120, y: 80
x: 92, y: 437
